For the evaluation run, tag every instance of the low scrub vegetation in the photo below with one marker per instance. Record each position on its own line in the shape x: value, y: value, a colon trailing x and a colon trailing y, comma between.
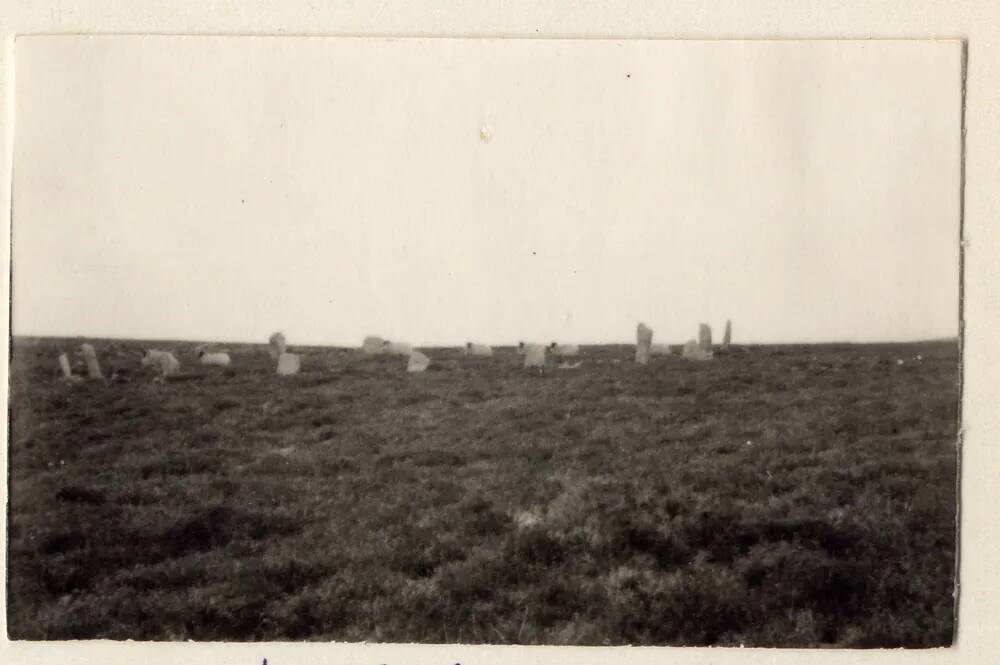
x: 775, y: 496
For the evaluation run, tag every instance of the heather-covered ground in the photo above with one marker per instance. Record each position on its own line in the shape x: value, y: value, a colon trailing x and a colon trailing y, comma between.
x: 776, y: 496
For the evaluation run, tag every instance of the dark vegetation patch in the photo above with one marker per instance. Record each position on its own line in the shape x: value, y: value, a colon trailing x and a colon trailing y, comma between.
x: 777, y: 496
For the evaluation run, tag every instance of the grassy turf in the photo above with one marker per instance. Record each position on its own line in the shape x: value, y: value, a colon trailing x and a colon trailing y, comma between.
x: 776, y: 496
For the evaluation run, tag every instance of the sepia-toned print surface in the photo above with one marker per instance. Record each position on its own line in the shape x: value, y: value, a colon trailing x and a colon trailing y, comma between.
x: 561, y: 342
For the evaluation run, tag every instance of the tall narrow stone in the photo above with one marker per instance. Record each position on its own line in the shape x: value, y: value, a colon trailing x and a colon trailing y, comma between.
x: 64, y: 366
x: 277, y: 345
x: 643, y: 342
x: 728, y: 335
x: 418, y: 362
x: 705, y: 338
x: 90, y: 357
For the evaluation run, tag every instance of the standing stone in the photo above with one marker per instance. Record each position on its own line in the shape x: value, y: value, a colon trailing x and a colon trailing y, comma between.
x: 418, y: 362
x: 705, y: 337
x: 643, y: 342
x: 277, y: 344
x: 67, y: 371
x: 728, y: 335
x: 372, y: 345
x: 289, y: 363
x: 90, y: 356
x: 534, y: 355
x: 693, y: 351
x: 64, y: 366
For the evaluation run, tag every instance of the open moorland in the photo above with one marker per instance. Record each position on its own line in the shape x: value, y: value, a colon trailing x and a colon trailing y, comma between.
x: 799, y: 495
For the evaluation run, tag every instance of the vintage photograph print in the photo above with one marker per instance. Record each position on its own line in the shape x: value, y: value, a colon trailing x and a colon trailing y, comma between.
x: 485, y: 341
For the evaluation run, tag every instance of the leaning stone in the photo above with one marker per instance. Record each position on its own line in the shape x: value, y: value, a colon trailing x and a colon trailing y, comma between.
x: 90, y: 356
x: 643, y: 341
x: 289, y: 363
x: 67, y: 371
x: 418, y: 362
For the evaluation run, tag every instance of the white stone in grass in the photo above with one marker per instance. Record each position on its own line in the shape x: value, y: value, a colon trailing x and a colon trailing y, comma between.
x: 418, y: 362
x: 289, y: 363
x: 164, y: 361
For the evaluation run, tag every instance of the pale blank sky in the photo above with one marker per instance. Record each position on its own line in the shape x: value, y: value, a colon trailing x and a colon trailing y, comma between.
x: 224, y: 188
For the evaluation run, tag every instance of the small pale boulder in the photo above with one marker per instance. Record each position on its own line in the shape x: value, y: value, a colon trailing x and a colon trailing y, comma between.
x: 90, y: 357
x: 659, y: 349
x: 692, y: 351
x: 564, y: 349
x: 534, y: 355
x: 164, y: 361
x: 643, y: 342
x: 373, y: 345
x: 396, y: 348
x: 276, y: 344
x: 471, y: 349
x: 219, y: 359
x: 418, y: 362
x: 289, y: 363
x: 568, y: 365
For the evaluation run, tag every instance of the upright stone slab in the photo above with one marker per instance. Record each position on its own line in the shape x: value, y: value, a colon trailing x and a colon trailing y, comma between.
x: 705, y: 338
x: 90, y: 357
x: 534, y: 355
x: 643, y: 342
x: 277, y: 345
x: 728, y: 335
x: 418, y: 362
x: 372, y: 345
x: 289, y: 363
